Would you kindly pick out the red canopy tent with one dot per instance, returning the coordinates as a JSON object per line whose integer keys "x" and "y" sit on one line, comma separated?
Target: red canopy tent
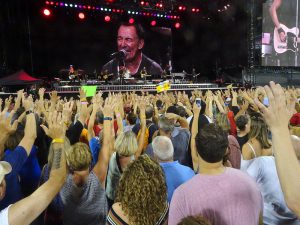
{"x": 19, "y": 78}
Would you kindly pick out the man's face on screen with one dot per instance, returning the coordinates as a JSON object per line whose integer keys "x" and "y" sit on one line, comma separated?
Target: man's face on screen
{"x": 130, "y": 42}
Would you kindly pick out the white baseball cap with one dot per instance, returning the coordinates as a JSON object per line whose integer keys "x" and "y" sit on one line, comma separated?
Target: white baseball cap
{"x": 5, "y": 168}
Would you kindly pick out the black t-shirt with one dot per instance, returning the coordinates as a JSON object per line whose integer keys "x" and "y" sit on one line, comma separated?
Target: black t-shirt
{"x": 152, "y": 68}
{"x": 242, "y": 140}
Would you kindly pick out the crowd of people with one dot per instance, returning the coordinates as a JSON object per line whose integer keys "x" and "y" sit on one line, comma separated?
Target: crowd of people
{"x": 230, "y": 158}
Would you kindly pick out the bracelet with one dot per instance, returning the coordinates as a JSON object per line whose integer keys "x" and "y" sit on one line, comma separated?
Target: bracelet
{"x": 118, "y": 115}
{"x": 83, "y": 99}
{"x": 58, "y": 140}
{"x": 107, "y": 118}
{"x": 28, "y": 112}
{"x": 84, "y": 103}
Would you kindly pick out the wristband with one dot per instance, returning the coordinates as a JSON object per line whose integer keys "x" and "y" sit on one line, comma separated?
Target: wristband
{"x": 83, "y": 99}
{"x": 84, "y": 103}
{"x": 143, "y": 117}
{"x": 107, "y": 118}
{"x": 28, "y": 112}
{"x": 58, "y": 140}
{"x": 118, "y": 115}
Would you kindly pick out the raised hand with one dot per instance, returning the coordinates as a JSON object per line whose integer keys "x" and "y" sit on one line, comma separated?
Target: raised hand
{"x": 53, "y": 96}
{"x": 41, "y": 93}
{"x": 56, "y": 128}
{"x": 278, "y": 114}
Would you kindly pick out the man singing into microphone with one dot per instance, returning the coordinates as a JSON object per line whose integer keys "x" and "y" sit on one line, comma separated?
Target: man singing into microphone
{"x": 130, "y": 58}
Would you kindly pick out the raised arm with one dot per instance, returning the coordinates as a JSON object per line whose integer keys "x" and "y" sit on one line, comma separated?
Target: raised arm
{"x": 277, "y": 116}
{"x": 26, "y": 210}
{"x": 196, "y": 110}
{"x": 273, "y": 12}
{"x": 96, "y": 107}
{"x": 142, "y": 106}
{"x": 100, "y": 169}
{"x": 30, "y": 127}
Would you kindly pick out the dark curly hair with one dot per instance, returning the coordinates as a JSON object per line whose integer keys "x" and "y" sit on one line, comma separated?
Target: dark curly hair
{"x": 142, "y": 191}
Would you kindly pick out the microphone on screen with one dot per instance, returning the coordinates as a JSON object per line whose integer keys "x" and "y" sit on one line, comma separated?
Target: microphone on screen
{"x": 119, "y": 54}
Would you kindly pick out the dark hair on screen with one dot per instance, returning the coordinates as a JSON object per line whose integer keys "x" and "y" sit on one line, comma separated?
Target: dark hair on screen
{"x": 211, "y": 143}
{"x": 138, "y": 27}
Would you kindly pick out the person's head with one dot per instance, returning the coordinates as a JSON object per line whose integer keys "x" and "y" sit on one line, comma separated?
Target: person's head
{"x": 165, "y": 126}
{"x": 211, "y": 143}
{"x": 243, "y": 123}
{"x": 181, "y": 111}
{"x": 259, "y": 130}
{"x": 194, "y": 220}
{"x": 223, "y": 122}
{"x": 163, "y": 148}
{"x": 131, "y": 118}
{"x": 172, "y": 109}
{"x": 142, "y": 191}
{"x": 14, "y": 139}
{"x": 126, "y": 144}
{"x": 131, "y": 39}
{"x": 79, "y": 160}
{"x": 5, "y": 168}
{"x": 99, "y": 117}
{"x": 149, "y": 112}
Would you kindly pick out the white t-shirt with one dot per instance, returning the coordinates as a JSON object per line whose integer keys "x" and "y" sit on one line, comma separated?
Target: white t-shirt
{"x": 263, "y": 170}
{"x": 4, "y": 216}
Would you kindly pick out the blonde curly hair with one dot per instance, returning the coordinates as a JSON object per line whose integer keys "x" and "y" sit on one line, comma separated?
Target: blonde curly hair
{"x": 142, "y": 191}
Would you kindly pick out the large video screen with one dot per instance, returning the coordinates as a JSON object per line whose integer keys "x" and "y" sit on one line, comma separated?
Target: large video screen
{"x": 88, "y": 45}
{"x": 280, "y": 32}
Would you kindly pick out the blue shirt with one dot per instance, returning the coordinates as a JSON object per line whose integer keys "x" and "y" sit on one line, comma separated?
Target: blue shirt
{"x": 16, "y": 159}
{"x": 95, "y": 148}
{"x": 30, "y": 173}
{"x": 176, "y": 174}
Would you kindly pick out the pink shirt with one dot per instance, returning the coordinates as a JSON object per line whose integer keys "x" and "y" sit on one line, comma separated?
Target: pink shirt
{"x": 230, "y": 198}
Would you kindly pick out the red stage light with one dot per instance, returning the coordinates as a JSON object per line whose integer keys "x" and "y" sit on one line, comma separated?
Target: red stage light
{"x": 153, "y": 23}
{"x": 46, "y": 12}
{"x": 193, "y": 9}
{"x": 81, "y": 16}
{"x": 177, "y": 25}
{"x": 131, "y": 20}
{"x": 107, "y": 18}
{"x": 47, "y": 3}
{"x": 142, "y": 2}
{"x": 160, "y": 5}
{"x": 180, "y": 7}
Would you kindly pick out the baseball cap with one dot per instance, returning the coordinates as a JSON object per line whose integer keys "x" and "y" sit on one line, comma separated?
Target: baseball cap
{"x": 5, "y": 168}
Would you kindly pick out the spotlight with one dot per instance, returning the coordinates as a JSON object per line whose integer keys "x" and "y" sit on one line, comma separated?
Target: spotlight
{"x": 46, "y": 12}
{"x": 81, "y": 16}
{"x": 131, "y": 21}
{"x": 107, "y": 18}
{"x": 177, "y": 25}
{"x": 153, "y": 23}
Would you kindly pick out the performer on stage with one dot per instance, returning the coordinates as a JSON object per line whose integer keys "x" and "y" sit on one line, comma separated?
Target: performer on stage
{"x": 130, "y": 40}
{"x": 285, "y": 16}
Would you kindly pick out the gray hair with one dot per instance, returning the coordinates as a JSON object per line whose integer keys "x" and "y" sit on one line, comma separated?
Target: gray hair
{"x": 165, "y": 124}
{"x": 163, "y": 148}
